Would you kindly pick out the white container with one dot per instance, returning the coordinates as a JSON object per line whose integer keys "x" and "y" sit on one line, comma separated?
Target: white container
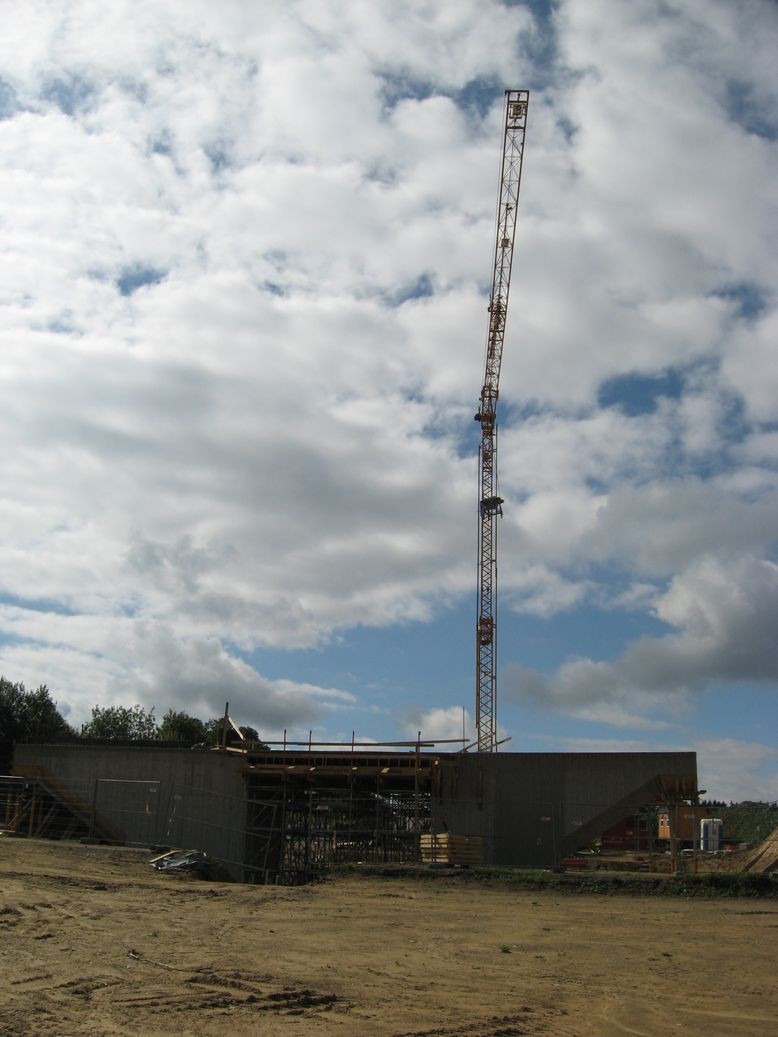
{"x": 711, "y": 829}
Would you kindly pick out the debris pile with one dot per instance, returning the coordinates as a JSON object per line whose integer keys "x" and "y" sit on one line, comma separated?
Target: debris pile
{"x": 191, "y": 862}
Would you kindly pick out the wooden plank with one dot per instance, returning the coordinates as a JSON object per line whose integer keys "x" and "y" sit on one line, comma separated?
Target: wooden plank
{"x": 451, "y": 848}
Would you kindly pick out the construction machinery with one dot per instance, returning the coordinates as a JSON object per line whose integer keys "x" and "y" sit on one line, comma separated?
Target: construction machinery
{"x": 490, "y": 503}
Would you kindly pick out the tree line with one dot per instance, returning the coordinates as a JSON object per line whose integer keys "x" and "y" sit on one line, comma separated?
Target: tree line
{"x": 32, "y": 716}
{"x": 749, "y": 822}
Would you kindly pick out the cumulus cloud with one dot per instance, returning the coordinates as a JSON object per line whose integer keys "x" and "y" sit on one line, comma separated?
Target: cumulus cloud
{"x": 541, "y": 591}
{"x": 243, "y": 272}
{"x": 735, "y": 770}
{"x": 118, "y": 659}
{"x": 724, "y": 616}
{"x": 750, "y": 365}
{"x": 450, "y": 723}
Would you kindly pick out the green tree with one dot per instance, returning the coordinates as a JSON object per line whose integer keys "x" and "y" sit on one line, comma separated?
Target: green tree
{"x": 25, "y": 715}
{"x": 44, "y": 720}
{"x": 214, "y": 729}
{"x": 28, "y": 716}
{"x": 12, "y": 711}
{"x": 749, "y": 821}
{"x": 181, "y": 727}
{"x": 121, "y": 724}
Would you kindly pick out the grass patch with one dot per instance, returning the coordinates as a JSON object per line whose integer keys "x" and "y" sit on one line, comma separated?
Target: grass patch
{"x": 725, "y": 884}
{"x": 713, "y": 884}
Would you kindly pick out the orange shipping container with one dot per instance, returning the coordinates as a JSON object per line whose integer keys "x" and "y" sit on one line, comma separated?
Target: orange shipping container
{"x": 687, "y": 819}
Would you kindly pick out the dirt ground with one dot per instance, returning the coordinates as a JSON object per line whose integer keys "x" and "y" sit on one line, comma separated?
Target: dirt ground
{"x": 94, "y": 941}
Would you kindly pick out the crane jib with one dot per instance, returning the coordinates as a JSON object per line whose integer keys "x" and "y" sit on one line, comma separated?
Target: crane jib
{"x": 490, "y": 503}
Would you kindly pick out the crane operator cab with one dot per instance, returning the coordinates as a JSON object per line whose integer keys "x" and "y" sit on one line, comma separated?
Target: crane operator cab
{"x": 491, "y": 506}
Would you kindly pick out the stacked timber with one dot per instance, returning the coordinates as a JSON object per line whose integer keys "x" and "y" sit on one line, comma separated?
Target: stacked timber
{"x": 762, "y": 858}
{"x": 447, "y": 848}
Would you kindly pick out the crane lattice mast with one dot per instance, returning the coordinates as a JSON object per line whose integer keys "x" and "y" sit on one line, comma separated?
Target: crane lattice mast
{"x": 490, "y": 504}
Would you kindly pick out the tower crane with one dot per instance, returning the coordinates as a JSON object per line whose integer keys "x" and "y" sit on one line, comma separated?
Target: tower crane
{"x": 490, "y": 504}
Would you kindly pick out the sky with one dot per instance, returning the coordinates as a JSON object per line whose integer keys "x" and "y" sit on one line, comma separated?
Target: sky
{"x": 245, "y": 260}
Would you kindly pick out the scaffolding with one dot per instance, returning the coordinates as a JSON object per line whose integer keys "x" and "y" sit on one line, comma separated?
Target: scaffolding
{"x": 43, "y": 808}
{"x": 307, "y": 812}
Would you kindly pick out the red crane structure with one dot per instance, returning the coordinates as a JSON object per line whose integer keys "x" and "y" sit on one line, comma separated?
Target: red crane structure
{"x": 490, "y": 504}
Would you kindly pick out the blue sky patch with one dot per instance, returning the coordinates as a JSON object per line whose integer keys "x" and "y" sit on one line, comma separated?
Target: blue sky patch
{"x": 133, "y": 278}
{"x": 543, "y": 9}
{"x": 541, "y": 45}
{"x": 747, "y": 296}
{"x": 162, "y": 144}
{"x": 63, "y": 325}
{"x": 636, "y": 394}
{"x": 404, "y": 88}
{"x": 218, "y": 157}
{"x": 70, "y": 94}
{"x": 274, "y": 288}
{"x": 479, "y": 95}
{"x": 421, "y": 288}
{"x": 58, "y": 608}
{"x": 9, "y": 100}
{"x": 744, "y": 109}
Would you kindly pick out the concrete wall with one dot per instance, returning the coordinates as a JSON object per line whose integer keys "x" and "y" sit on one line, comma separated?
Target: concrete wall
{"x": 187, "y": 798}
{"x": 529, "y": 808}
{"x": 535, "y": 808}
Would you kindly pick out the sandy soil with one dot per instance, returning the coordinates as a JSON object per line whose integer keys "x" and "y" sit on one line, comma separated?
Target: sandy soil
{"x": 94, "y": 941}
